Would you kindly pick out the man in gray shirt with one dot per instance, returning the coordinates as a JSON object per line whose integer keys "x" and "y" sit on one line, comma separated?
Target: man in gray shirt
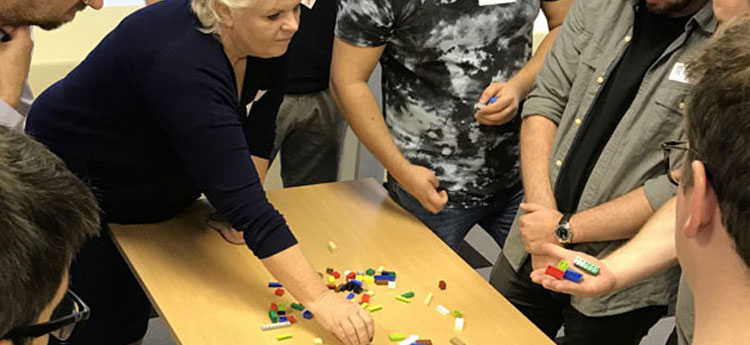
{"x": 610, "y": 93}
{"x": 15, "y": 48}
{"x": 653, "y": 250}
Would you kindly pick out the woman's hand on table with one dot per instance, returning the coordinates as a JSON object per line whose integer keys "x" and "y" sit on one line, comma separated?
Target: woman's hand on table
{"x": 348, "y": 321}
{"x": 222, "y": 226}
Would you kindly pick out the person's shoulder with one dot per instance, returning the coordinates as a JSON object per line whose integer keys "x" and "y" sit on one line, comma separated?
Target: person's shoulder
{"x": 167, "y": 32}
{"x": 165, "y": 25}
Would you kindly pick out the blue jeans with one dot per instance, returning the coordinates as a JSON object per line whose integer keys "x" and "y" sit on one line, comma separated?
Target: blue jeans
{"x": 452, "y": 224}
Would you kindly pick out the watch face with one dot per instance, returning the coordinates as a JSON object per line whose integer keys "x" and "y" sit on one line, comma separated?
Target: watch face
{"x": 562, "y": 233}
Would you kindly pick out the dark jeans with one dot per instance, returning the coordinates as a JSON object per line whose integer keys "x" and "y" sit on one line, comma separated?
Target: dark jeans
{"x": 452, "y": 224}
{"x": 549, "y": 310}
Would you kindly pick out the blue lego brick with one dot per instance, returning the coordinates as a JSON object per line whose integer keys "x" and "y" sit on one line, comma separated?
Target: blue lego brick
{"x": 572, "y": 276}
{"x": 283, "y": 319}
{"x": 351, "y": 295}
{"x": 492, "y": 100}
{"x": 386, "y": 277}
{"x": 274, "y": 285}
{"x": 356, "y": 282}
{"x": 307, "y": 314}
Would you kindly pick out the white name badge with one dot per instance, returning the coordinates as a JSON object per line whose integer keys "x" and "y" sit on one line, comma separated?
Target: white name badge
{"x": 679, "y": 73}
{"x": 308, "y": 3}
{"x": 495, "y": 2}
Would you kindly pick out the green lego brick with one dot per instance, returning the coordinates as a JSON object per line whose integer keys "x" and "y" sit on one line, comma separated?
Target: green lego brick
{"x": 396, "y": 336}
{"x": 586, "y": 266}
{"x": 370, "y": 272}
{"x": 403, "y": 299}
{"x": 273, "y": 316}
{"x": 298, "y": 306}
{"x": 408, "y": 294}
{"x": 457, "y": 314}
{"x": 563, "y": 265}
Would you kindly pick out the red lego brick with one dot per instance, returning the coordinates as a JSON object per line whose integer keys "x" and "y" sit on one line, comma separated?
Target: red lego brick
{"x": 351, "y": 276}
{"x": 279, "y": 292}
{"x": 366, "y": 298}
{"x": 442, "y": 285}
{"x": 274, "y": 307}
{"x": 290, "y": 318}
{"x": 555, "y": 272}
{"x": 336, "y": 274}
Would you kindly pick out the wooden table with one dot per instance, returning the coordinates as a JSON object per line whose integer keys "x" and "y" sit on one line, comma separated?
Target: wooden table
{"x": 211, "y": 292}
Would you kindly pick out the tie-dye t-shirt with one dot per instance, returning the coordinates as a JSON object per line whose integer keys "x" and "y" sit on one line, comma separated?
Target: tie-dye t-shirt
{"x": 439, "y": 57}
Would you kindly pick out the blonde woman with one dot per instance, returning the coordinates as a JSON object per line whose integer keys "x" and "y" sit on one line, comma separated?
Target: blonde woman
{"x": 181, "y": 99}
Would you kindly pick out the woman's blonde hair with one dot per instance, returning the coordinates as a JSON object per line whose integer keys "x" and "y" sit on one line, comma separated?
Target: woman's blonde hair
{"x": 205, "y": 10}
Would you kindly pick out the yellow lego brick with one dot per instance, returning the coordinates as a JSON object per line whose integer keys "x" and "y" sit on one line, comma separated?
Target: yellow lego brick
{"x": 284, "y": 336}
{"x": 374, "y": 308}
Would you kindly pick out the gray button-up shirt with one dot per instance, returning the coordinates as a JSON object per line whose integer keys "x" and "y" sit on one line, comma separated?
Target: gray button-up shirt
{"x": 15, "y": 117}
{"x": 589, "y": 45}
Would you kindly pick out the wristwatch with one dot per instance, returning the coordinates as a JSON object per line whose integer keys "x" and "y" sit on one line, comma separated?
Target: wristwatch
{"x": 562, "y": 231}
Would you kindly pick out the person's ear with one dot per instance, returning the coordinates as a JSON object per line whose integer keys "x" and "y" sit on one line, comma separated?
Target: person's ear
{"x": 224, "y": 13}
{"x": 703, "y": 202}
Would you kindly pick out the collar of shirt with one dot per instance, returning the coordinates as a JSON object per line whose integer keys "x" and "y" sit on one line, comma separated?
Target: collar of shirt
{"x": 704, "y": 18}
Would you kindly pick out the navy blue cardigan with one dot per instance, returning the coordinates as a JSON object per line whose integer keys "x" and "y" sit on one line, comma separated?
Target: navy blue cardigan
{"x": 151, "y": 119}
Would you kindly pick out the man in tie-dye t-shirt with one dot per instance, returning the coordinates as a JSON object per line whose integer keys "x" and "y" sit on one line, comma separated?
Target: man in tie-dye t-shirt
{"x": 452, "y": 158}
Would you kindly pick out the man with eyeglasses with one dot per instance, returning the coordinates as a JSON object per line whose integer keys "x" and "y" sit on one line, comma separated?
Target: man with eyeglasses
{"x": 46, "y": 213}
{"x": 15, "y": 48}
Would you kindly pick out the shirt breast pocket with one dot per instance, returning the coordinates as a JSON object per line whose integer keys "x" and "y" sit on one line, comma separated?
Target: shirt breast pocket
{"x": 673, "y": 97}
{"x": 670, "y": 102}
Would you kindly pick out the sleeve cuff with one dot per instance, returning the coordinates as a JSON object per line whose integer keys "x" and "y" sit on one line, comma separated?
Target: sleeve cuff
{"x": 543, "y": 107}
{"x": 659, "y": 190}
{"x": 9, "y": 117}
{"x": 274, "y": 242}
{"x": 359, "y": 41}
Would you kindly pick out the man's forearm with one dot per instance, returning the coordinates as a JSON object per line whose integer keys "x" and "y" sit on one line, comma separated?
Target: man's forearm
{"x": 537, "y": 138}
{"x": 617, "y": 219}
{"x": 650, "y": 252}
{"x": 361, "y": 110}
{"x": 525, "y": 78}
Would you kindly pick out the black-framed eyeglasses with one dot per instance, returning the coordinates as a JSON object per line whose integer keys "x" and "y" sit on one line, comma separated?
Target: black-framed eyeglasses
{"x": 671, "y": 165}
{"x": 71, "y": 312}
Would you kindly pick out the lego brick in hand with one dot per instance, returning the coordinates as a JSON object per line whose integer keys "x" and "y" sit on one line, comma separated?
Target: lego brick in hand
{"x": 573, "y": 276}
{"x": 586, "y": 266}
{"x": 555, "y": 272}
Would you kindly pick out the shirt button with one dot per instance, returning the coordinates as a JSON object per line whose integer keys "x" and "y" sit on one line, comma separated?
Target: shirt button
{"x": 558, "y": 163}
{"x": 578, "y": 122}
{"x": 682, "y": 106}
{"x": 627, "y": 38}
{"x": 599, "y": 80}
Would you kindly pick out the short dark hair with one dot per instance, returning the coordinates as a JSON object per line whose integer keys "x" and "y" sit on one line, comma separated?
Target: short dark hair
{"x": 718, "y": 125}
{"x": 46, "y": 213}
